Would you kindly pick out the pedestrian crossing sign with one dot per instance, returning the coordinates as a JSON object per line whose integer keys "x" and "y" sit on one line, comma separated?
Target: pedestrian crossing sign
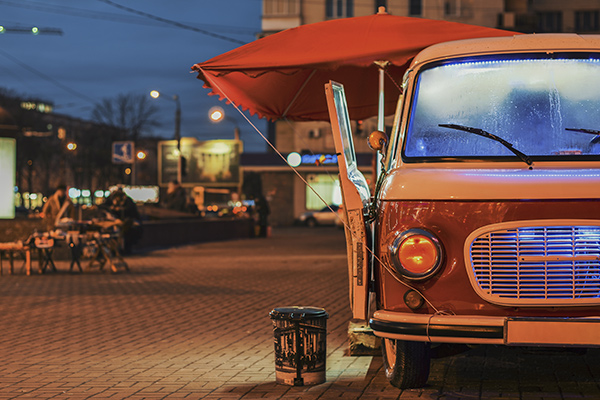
{"x": 122, "y": 152}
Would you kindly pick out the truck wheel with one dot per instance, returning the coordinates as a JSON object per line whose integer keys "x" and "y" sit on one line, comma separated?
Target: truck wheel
{"x": 406, "y": 363}
{"x": 311, "y": 222}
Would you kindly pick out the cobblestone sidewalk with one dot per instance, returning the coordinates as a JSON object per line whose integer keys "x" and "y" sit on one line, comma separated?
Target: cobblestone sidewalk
{"x": 192, "y": 322}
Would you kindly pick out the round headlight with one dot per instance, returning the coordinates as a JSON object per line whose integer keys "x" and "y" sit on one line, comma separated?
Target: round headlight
{"x": 416, "y": 254}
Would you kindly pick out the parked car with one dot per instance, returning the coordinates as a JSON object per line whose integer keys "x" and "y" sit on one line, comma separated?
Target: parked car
{"x": 325, "y": 216}
{"x": 486, "y": 223}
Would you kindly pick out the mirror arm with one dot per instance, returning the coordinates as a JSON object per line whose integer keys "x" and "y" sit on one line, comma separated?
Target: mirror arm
{"x": 377, "y": 141}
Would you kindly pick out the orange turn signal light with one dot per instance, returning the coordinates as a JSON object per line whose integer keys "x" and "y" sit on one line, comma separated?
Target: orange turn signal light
{"x": 413, "y": 299}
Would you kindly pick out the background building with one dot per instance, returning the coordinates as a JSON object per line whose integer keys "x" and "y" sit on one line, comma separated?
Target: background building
{"x": 288, "y": 194}
{"x": 54, "y": 148}
{"x": 581, "y": 16}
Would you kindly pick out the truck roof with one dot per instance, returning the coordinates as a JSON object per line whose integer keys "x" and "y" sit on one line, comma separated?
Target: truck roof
{"x": 510, "y": 44}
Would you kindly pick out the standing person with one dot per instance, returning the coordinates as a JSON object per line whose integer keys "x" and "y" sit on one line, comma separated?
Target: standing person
{"x": 123, "y": 208}
{"x": 57, "y": 206}
{"x": 262, "y": 209}
{"x": 176, "y": 198}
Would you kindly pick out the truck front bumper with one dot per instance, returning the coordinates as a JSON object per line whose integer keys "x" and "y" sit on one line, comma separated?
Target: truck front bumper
{"x": 473, "y": 329}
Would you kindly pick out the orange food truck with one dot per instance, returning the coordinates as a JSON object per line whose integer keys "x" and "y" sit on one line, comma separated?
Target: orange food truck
{"x": 484, "y": 227}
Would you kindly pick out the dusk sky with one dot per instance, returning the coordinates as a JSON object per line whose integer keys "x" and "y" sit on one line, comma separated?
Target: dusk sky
{"x": 105, "y": 50}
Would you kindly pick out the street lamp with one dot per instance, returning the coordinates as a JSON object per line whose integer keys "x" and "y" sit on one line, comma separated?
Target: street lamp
{"x": 217, "y": 114}
{"x": 156, "y": 94}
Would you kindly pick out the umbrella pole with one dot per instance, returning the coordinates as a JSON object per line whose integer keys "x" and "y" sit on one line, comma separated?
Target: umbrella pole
{"x": 381, "y": 111}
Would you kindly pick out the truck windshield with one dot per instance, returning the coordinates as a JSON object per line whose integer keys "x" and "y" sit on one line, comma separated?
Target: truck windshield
{"x": 547, "y": 106}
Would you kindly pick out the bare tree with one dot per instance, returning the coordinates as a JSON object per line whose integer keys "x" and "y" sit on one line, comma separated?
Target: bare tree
{"x": 132, "y": 113}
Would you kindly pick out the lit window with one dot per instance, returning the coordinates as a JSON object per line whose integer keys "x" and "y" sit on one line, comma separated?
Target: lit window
{"x": 328, "y": 189}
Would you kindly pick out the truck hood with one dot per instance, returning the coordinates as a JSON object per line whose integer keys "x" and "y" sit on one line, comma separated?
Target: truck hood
{"x": 491, "y": 184}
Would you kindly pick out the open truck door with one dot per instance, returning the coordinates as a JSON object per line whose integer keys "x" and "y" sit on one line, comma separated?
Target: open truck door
{"x": 356, "y": 197}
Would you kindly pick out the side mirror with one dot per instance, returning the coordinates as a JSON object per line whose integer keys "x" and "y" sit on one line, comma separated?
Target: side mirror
{"x": 378, "y": 141}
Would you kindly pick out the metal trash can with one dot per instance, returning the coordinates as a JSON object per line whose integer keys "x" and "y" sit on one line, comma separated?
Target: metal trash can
{"x": 300, "y": 335}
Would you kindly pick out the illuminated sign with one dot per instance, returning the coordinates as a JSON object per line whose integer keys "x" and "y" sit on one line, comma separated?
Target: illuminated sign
{"x": 140, "y": 194}
{"x": 295, "y": 159}
{"x": 122, "y": 152}
{"x": 8, "y": 153}
{"x": 210, "y": 163}
{"x": 319, "y": 159}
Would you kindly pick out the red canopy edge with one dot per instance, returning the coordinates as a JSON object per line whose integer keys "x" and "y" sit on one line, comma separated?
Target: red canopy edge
{"x": 360, "y": 108}
{"x": 283, "y": 75}
{"x": 216, "y": 90}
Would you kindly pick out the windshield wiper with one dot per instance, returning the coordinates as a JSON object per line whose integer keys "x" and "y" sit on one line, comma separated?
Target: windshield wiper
{"x": 522, "y": 156}
{"x": 590, "y": 131}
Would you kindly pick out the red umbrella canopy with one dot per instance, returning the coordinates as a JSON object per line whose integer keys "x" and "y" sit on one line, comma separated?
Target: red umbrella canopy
{"x": 283, "y": 75}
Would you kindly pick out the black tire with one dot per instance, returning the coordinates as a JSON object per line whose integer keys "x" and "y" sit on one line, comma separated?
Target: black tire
{"x": 406, "y": 363}
{"x": 311, "y": 222}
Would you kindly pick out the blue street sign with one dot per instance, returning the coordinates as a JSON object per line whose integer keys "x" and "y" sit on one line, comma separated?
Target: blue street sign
{"x": 122, "y": 152}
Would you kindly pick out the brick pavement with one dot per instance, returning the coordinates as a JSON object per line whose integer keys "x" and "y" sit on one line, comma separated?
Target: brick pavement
{"x": 192, "y": 322}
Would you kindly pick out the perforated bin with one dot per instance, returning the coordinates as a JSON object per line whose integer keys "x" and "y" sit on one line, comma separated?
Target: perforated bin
{"x": 300, "y": 335}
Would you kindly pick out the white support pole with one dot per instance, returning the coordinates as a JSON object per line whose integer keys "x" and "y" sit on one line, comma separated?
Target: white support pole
{"x": 381, "y": 114}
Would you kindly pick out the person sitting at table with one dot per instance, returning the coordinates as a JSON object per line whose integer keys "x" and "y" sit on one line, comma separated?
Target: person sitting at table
{"x": 57, "y": 206}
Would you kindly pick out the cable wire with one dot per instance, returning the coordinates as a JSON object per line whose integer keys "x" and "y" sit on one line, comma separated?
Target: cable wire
{"x": 381, "y": 262}
{"x": 46, "y": 77}
{"x": 77, "y": 12}
{"x": 174, "y": 23}
{"x": 112, "y": 17}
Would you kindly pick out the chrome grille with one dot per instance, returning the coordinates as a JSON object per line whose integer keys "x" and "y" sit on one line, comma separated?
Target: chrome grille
{"x": 536, "y": 265}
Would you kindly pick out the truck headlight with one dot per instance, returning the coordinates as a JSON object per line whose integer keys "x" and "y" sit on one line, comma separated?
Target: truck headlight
{"x": 416, "y": 254}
